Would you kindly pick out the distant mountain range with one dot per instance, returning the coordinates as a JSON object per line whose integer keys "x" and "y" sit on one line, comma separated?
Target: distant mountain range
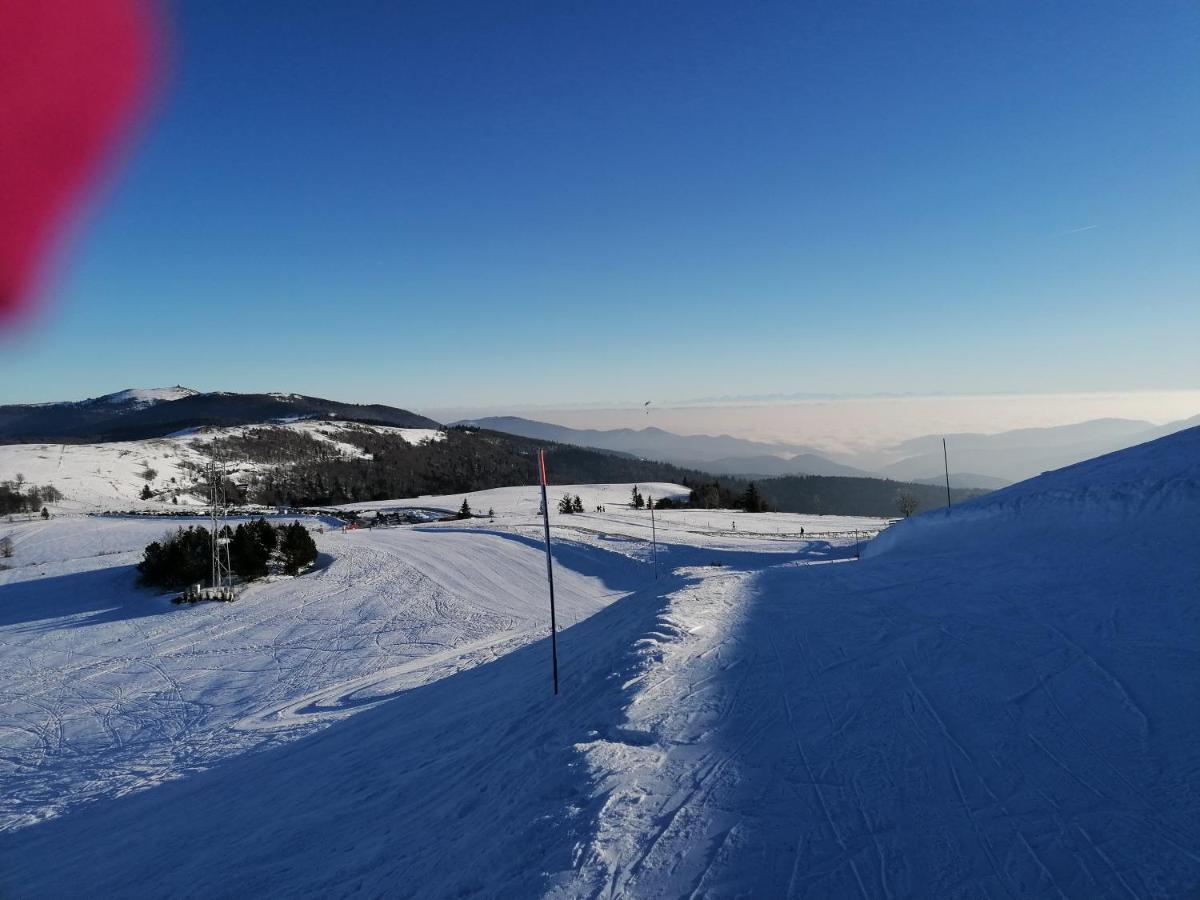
{"x": 720, "y": 454}
{"x": 987, "y": 461}
{"x": 1014, "y": 455}
{"x": 136, "y": 414}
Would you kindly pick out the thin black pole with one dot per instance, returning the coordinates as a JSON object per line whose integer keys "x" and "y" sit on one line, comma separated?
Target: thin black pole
{"x": 946, "y": 462}
{"x": 654, "y": 538}
{"x": 549, "y": 568}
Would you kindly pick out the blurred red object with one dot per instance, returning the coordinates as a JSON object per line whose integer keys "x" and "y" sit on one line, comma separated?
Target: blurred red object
{"x": 73, "y": 75}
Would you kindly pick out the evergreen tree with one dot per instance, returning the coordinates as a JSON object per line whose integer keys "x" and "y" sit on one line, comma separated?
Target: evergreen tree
{"x": 637, "y": 500}
{"x": 182, "y": 558}
{"x": 464, "y": 511}
{"x": 751, "y": 500}
{"x": 298, "y": 548}
{"x": 146, "y": 492}
{"x": 566, "y": 505}
{"x": 577, "y": 504}
{"x": 45, "y": 513}
{"x": 250, "y": 549}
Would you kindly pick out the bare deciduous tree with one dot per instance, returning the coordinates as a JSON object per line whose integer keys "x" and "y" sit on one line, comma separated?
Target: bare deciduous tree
{"x": 906, "y": 502}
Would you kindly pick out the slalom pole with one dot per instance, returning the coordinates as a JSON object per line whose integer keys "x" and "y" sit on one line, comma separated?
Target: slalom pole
{"x": 654, "y": 538}
{"x": 549, "y": 568}
{"x": 946, "y": 462}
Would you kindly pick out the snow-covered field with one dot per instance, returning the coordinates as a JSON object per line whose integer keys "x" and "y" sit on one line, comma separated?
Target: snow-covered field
{"x": 522, "y": 505}
{"x": 997, "y": 702}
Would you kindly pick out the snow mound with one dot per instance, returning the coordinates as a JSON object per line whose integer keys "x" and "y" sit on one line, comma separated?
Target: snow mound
{"x": 1159, "y": 479}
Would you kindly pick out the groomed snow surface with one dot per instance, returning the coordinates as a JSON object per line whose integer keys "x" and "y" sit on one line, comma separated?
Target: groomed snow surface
{"x": 1000, "y": 702}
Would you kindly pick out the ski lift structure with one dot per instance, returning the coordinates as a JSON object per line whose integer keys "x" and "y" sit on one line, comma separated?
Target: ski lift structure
{"x": 221, "y": 586}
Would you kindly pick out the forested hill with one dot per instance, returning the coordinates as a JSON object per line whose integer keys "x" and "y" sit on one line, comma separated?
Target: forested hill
{"x": 134, "y": 415}
{"x": 854, "y": 496}
{"x": 468, "y": 459}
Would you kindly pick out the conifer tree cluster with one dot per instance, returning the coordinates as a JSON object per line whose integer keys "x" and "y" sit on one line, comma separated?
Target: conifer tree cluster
{"x": 251, "y": 547}
{"x": 179, "y": 559}
{"x": 185, "y": 557}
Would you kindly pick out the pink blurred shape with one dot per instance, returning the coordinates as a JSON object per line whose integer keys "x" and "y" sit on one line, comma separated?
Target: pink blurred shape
{"x": 73, "y": 76}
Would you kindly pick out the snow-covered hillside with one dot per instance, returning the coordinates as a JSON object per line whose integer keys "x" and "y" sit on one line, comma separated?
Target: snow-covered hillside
{"x": 147, "y": 396}
{"x": 131, "y": 398}
{"x": 97, "y": 477}
{"x": 1155, "y": 483}
{"x": 1010, "y": 712}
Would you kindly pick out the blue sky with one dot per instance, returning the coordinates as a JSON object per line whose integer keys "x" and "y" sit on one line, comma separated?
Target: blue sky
{"x": 477, "y": 203}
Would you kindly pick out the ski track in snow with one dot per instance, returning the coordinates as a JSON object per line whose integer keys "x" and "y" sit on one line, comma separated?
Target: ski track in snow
{"x": 941, "y": 762}
{"x": 105, "y": 688}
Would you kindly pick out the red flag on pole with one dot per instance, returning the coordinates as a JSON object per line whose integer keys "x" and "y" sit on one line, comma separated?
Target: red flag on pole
{"x": 549, "y": 568}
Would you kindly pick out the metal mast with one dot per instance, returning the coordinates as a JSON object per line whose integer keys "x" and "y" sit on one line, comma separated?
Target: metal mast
{"x": 222, "y": 577}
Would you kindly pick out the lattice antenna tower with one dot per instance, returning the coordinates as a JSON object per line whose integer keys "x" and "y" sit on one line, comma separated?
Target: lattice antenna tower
{"x": 222, "y": 577}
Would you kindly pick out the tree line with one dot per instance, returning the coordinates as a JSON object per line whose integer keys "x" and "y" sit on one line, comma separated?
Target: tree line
{"x": 304, "y": 471}
{"x": 17, "y": 497}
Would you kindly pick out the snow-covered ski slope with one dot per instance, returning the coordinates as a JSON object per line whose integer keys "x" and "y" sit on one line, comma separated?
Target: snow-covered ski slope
{"x": 1002, "y": 709}
{"x": 105, "y": 687}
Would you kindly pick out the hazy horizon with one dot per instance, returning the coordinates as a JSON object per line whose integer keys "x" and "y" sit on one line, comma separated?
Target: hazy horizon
{"x": 856, "y": 424}
{"x": 832, "y": 424}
